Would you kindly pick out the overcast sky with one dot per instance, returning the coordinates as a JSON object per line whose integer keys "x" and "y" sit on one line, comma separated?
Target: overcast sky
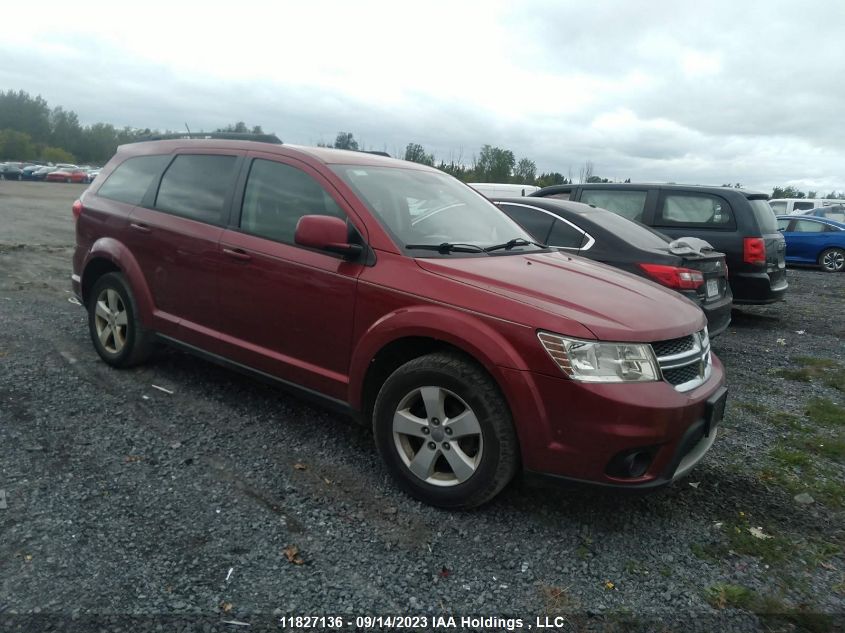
{"x": 697, "y": 92}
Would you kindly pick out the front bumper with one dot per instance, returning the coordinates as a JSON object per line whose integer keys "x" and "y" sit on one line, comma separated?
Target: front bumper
{"x": 575, "y": 431}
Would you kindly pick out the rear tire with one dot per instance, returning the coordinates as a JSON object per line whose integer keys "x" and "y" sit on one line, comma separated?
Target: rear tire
{"x": 445, "y": 432}
{"x": 832, "y": 260}
{"x": 113, "y": 323}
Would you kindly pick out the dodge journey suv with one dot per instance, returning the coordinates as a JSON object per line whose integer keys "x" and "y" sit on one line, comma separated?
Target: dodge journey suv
{"x": 400, "y": 295}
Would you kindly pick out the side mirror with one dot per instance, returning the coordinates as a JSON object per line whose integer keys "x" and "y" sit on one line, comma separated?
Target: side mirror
{"x": 327, "y": 233}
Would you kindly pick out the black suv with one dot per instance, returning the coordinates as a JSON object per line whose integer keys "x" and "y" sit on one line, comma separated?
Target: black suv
{"x": 739, "y": 223}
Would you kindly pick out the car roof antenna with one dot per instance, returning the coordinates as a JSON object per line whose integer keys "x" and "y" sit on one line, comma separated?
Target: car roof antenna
{"x": 187, "y": 128}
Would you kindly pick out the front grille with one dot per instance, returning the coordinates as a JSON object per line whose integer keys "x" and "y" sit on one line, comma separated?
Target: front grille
{"x": 685, "y": 361}
{"x": 681, "y": 375}
{"x": 673, "y": 346}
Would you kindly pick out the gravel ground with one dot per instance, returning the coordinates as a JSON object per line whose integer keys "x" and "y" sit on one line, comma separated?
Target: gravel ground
{"x": 181, "y": 509}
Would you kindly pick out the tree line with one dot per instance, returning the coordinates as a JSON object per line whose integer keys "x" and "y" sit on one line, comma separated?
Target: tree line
{"x": 31, "y": 130}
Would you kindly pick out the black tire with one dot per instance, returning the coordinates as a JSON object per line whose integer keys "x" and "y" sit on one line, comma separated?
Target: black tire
{"x": 471, "y": 386}
{"x": 832, "y": 260}
{"x": 137, "y": 342}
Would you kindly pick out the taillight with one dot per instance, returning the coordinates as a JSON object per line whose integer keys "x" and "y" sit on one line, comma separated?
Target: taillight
{"x": 674, "y": 276}
{"x": 754, "y": 250}
{"x": 77, "y": 209}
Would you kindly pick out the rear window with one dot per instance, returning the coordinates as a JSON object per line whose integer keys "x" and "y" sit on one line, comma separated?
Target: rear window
{"x": 628, "y": 204}
{"x": 766, "y": 219}
{"x": 195, "y": 186}
{"x": 130, "y": 181}
{"x": 778, "y": 206}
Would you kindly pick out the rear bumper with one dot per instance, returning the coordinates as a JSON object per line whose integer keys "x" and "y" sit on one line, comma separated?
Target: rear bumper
{"x": 758, "y": 287}
{"x": 575, "y": 431}
{"x": 718, "y": 315}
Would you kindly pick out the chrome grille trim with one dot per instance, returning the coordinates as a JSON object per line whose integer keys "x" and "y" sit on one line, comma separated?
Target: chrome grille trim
{"x": 697, "y": 357}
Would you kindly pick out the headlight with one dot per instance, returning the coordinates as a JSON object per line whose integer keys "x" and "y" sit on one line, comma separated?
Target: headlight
{"x": 594, "y": 361}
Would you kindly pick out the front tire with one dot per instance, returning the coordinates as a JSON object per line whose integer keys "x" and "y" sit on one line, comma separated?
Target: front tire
{"x": 445, "y": 432}
{"x": 832, "y": 260}
{"x": 113, "y": 323}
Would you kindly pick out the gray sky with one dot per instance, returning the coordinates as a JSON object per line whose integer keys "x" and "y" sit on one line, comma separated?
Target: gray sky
{"x": 697, "y": 92}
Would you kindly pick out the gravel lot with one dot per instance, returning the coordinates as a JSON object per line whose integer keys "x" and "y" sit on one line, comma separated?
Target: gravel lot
{"x": 120, "y": 500}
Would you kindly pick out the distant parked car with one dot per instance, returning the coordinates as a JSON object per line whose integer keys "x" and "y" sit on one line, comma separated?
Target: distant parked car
{"x": 501, "y": 190}
{"x": 834, "y": 212}
{"x": 737, "y": 222}
{"x": 28, "y": 171}
{"x": 41, "y": 174}
{"x": 68, "y": 175}
{"x": 688, "y": 266}
{"x": 10, "y": 171}
{"x": 811, "y": 240}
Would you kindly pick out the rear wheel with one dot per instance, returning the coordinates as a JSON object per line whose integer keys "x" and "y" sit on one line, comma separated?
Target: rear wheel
{"x": 445, "y": 432}
{"x": 832, "y": 260}
{"x": 114, "y": 324}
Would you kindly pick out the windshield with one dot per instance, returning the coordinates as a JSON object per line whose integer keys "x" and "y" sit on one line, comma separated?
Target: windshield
{"x": 428, "y": 208}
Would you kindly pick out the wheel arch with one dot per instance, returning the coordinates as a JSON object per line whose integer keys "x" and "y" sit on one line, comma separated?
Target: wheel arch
{"x": 407, "y": 334}
{"x": 109, "y": 255}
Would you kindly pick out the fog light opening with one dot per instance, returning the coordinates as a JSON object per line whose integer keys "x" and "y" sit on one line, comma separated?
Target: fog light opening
{"x": 631, "y": 464}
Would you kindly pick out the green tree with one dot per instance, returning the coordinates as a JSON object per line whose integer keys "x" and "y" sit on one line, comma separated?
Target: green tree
{"x": 16, "y": 145}
{"x": 345, "y": 140}
{"x": 56, "y": 155}
{"x": 494, "y": 164}
{"x": 552, "y": 178}
{"x": 787, "y": 192}
{"x": 416, "y": 153}
{"x": 23, "y": 113}
{"x": 65, "y": 130}
{"x": 525, "y": 172}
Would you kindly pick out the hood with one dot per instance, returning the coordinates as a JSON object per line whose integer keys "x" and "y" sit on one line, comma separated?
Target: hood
{"x": 612, "y": 304}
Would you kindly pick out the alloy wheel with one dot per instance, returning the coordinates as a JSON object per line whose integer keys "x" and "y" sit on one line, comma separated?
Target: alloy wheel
{"x": 438, "y": 436}
{"x": 111, "y": 321}
{"x": 833, "y": 260}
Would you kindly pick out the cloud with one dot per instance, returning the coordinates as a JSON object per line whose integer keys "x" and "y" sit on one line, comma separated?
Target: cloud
{"x": 723, "y": 92}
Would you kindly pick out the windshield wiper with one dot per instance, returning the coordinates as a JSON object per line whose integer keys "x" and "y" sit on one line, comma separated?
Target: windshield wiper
{"x": 518, "y": 241}
{"x": 448, "y": 247}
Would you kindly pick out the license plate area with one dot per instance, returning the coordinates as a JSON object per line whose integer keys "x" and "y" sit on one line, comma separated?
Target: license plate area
{"x": 712, "y": 288}
{"x": 714, "y": 410}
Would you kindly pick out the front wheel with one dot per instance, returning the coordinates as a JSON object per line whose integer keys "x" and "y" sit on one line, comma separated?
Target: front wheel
{"x": 832, "y": 260}
{"x": 114, "y": 325}
{"x": 445, "y": 432}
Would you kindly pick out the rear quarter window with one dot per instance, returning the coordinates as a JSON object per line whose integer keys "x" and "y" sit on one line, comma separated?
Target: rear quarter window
{"x": 696, "y": 210}
{"x": 130, "y": 180}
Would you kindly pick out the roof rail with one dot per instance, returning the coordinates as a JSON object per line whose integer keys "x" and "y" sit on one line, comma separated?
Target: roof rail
{"x": 373, "y": 151}
{"x": 233, "y": 136}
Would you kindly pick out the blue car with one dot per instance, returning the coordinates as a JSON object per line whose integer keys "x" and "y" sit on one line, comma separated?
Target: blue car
{"x": 812, "y": 240}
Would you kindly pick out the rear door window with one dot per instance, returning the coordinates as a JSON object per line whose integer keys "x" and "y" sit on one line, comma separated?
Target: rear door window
{"x": 195, "y": 186}
{"x": 130, "y": 180}
{"x": 628, "y": 204}
{"x": 808, "y": 226}
{"x": 692, "y": 209}
{"x": 277, "y": 195}
{"x": 565, "y": 235}
{"x": 535, "y": 221}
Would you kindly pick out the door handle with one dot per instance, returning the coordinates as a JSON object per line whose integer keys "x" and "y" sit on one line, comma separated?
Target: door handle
{"x": 237, "y": 253}
{"x": 143, "y": 228}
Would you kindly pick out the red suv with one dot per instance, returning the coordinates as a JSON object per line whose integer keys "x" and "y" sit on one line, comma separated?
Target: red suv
{"x": 400, "y": 295}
